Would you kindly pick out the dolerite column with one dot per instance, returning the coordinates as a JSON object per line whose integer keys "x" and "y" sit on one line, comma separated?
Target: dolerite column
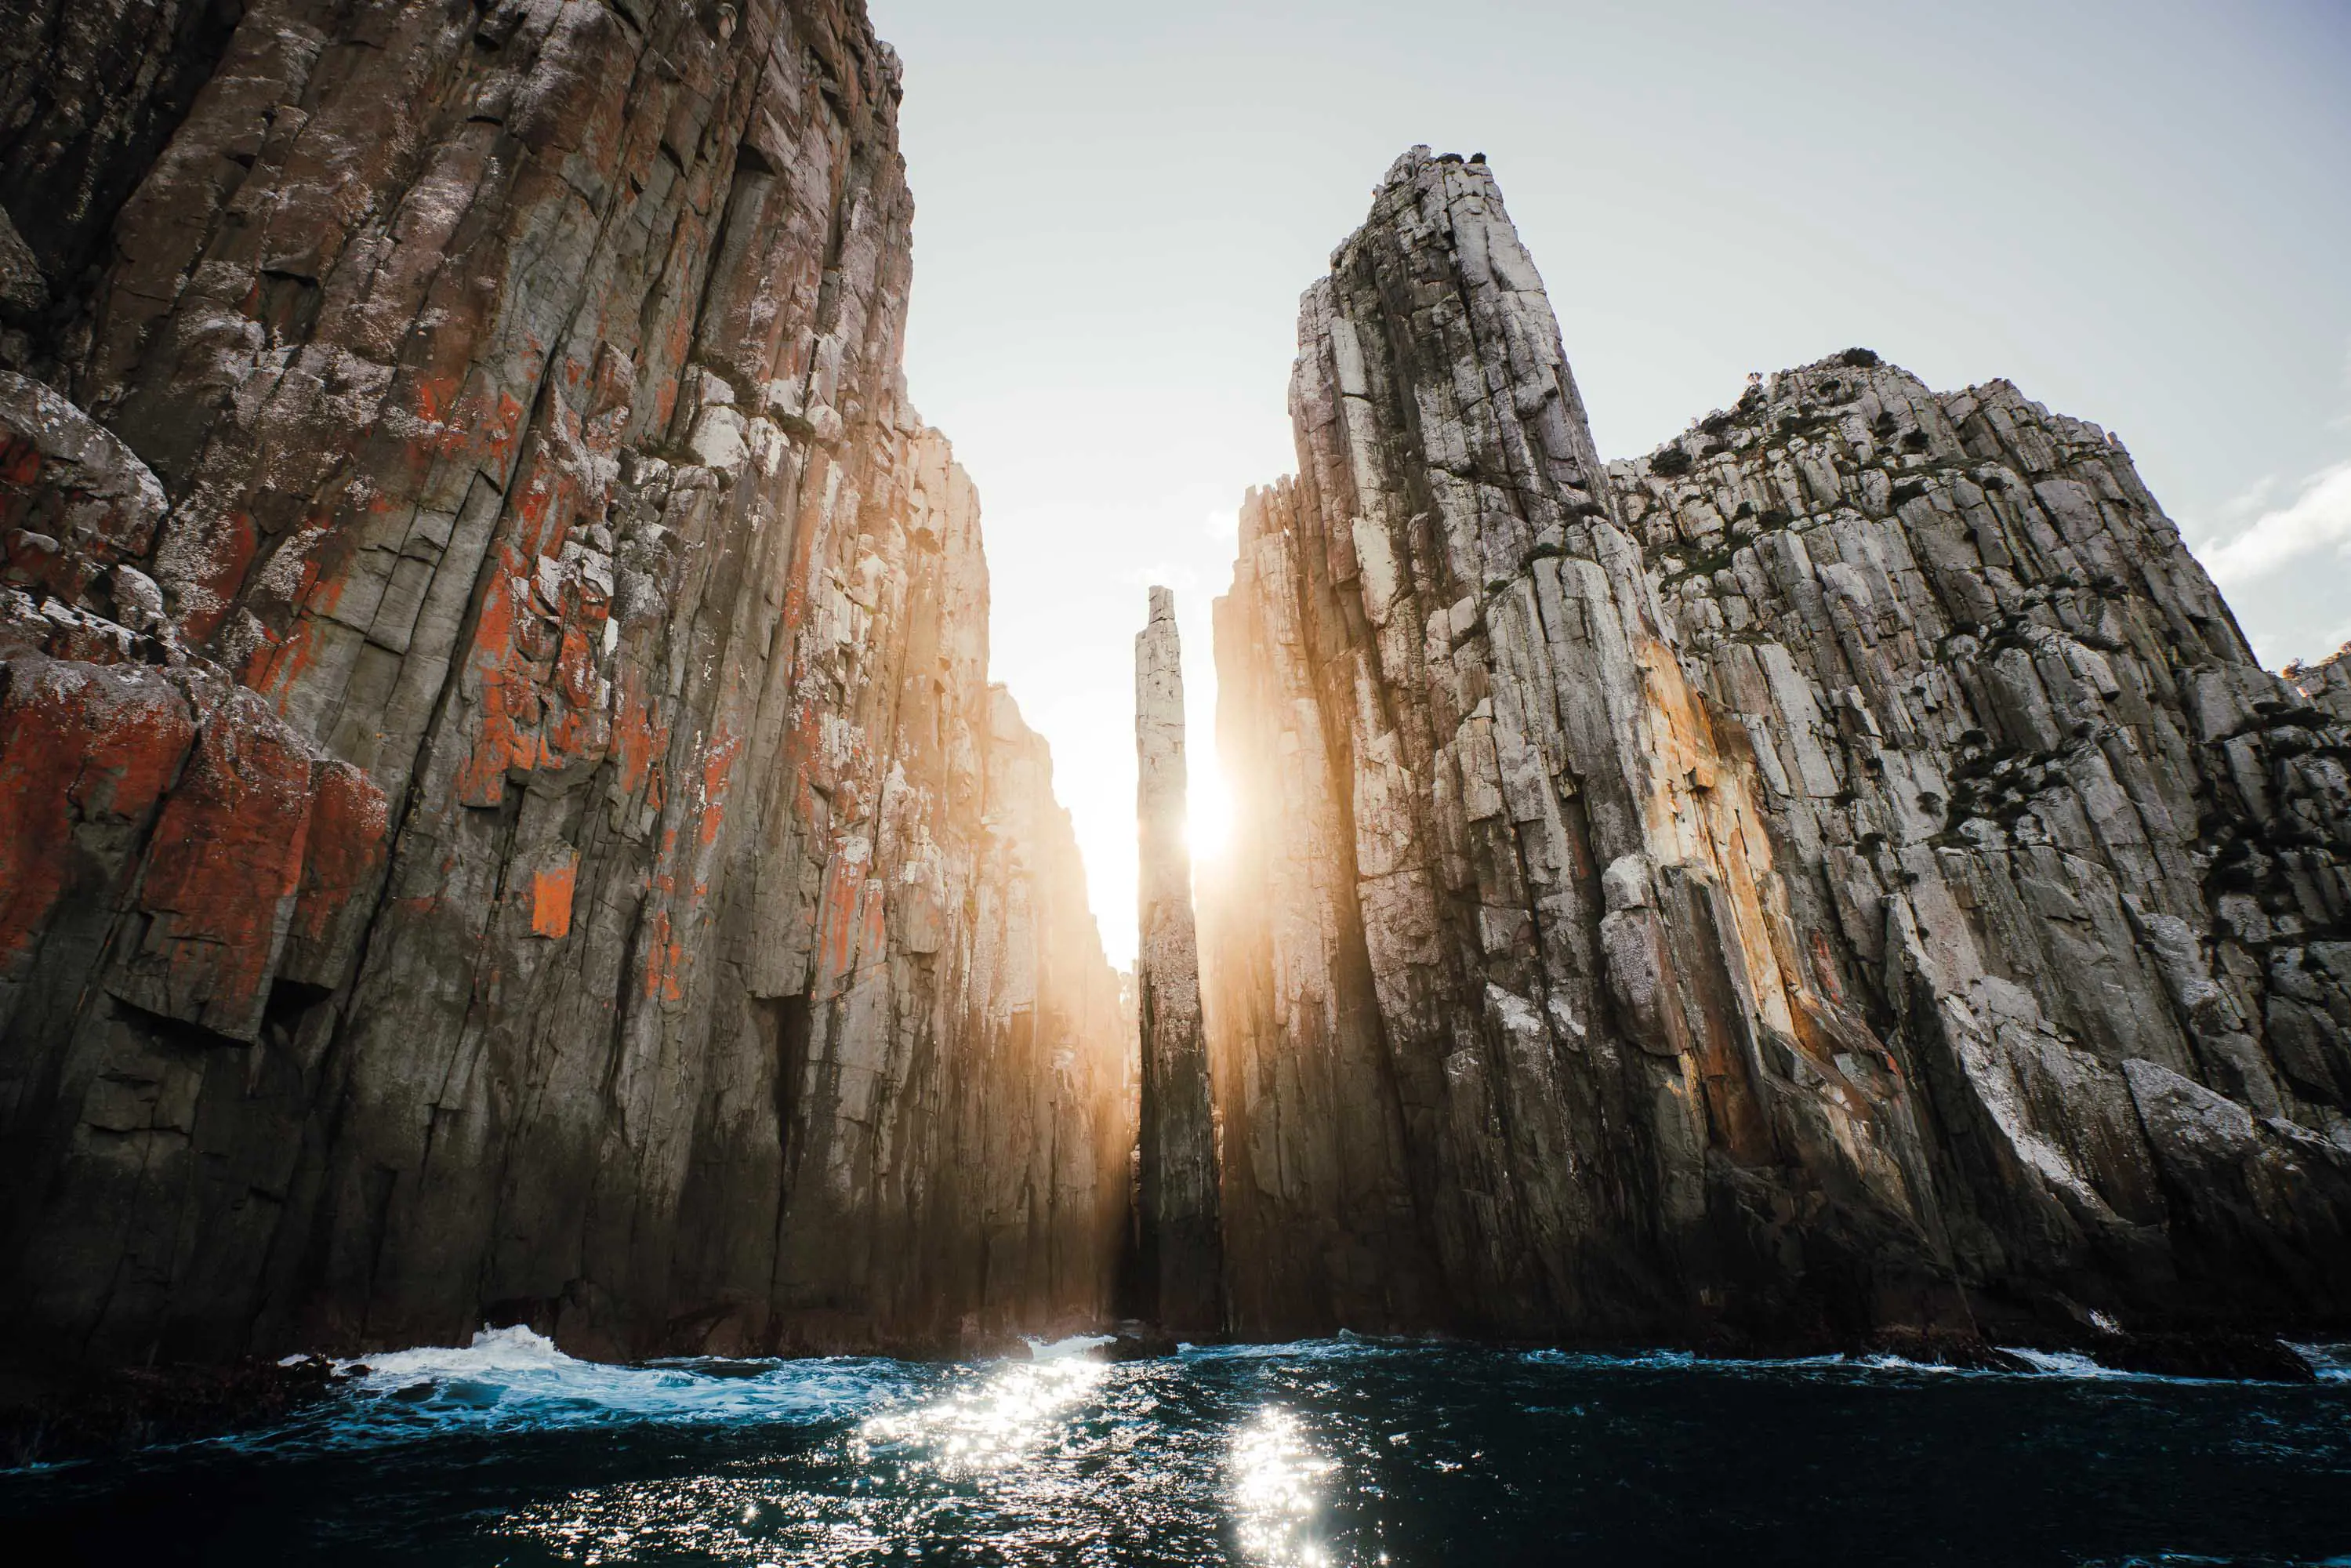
{"x": 1182, "y": 1275}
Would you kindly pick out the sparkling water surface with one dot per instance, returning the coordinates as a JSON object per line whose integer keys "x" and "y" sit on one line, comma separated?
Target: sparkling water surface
{"x": 1329, "y": 1452}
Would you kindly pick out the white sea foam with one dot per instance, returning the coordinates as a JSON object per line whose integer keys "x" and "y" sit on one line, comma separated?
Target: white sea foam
{"x": 2071, "y": 1364}
{"x": 1647, "y": 1360}
{"x": 511, "y": 1378}
{"x": 1344, "y": 1345}
{"x": 1063, "y": 1349}
{"x": 2332, "y": 1362}
{"x": 491, "y": 1352}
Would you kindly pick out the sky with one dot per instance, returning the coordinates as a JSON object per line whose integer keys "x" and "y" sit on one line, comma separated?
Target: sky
{"x": 2138, "y": 211}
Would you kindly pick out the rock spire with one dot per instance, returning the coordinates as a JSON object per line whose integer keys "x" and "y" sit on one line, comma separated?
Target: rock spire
{"x": 1841, "y": 876}
{"x": 1182, "y": 1245}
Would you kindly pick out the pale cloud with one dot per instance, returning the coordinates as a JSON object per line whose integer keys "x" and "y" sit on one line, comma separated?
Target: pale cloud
{"x": 2313, "y": 529}
{"x": 2248, "y": 503}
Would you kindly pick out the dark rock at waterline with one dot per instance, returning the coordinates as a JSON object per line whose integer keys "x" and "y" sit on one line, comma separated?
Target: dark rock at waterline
{"x": 1140, "y": 1341}
{"x": 1967, "y": 1351}
{"x": 722, "y": 1366}
{"x": 2242, "y": 1356}
{"x": 55, "y": 1415}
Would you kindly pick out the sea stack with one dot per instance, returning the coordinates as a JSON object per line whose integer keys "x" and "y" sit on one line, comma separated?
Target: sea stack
{"x": 1182, "y": 1273}
{"x": 1841, "y": 877}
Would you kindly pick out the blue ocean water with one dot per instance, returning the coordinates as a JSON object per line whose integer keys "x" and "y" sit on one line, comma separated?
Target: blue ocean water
{"x": 1330, "y": 1452}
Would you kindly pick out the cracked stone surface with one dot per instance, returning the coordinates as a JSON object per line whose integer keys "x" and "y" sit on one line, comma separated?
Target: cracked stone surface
{"x": 1841, "y": 874}
{"x": 502, "y": 814}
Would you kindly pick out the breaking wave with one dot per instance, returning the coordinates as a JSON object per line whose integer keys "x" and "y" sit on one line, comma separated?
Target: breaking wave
{"x": 2332, "y": 1363}
{"x": 510, "y": 1379}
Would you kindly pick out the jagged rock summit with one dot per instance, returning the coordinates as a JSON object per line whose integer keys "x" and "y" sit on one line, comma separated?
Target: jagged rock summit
{"x": 1842, "y": 876}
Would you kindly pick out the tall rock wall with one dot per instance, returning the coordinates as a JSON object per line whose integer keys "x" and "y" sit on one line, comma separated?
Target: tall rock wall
{"x": 1841, "y": 875}
{"x": 1180, "y": 1237}
{"x": 502, "y": 808}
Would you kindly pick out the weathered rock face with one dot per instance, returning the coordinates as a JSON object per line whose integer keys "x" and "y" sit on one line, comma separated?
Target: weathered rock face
{"x": 89, "y": 91}
{"x": 501, "y": 809}
{"x": 1180, "y": 1267}
{"x": 1843, "y": 875}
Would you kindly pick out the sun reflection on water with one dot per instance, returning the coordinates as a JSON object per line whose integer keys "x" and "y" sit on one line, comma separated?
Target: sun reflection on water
{"x": 1323, "y": 1452}
{"x": 986, "y": 1427}
{"x": 896, "y": 1479}
{"x": 1278, "y": 1478}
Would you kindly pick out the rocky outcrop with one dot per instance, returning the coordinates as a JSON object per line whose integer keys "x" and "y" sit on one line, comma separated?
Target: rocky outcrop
{"x": 1841, "y": 875}
{"x": 1180, "y": 1238}
{"x": 502, "y": 807}
{"x": 502, "y": 814}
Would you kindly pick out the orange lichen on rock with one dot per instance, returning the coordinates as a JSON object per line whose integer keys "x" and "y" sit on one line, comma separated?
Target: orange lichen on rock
{"x": 551, "y": 898}
{"x": 344, "y": 853}
{"x": 219, "y": 888}
{"x": 79, "y": 743}
{"x": 1702, "y": 814}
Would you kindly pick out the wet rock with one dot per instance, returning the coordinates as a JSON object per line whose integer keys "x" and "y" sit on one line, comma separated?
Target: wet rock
{"x": 1961, "y": 1350}
{"x": 1136, "y": 1341}
{"x": 64, "y": 1414}
{"x": 2256, "y": 1357}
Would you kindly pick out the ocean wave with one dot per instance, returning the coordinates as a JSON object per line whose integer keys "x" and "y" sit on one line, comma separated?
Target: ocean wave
{"x": 509, "y": 1379}
{"x": 1344, "y": 1345}
{"x": 2073, "y": 1363}
{"x": 1075, "y": 1347}
{"x": 2332, "y": 1363}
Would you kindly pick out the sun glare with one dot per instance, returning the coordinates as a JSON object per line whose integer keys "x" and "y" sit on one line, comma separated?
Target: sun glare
{"x": 1278, "y": 1478}
{"x": 1208, "y": 808}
